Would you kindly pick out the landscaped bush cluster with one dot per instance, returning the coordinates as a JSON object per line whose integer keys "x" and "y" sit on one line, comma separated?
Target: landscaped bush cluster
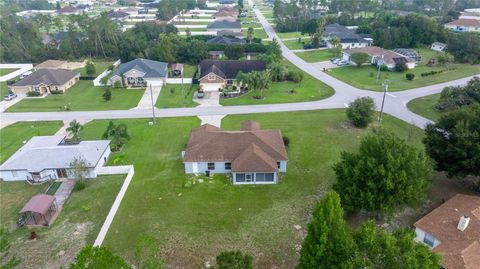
{"x": 80, "y": 185}
{"x": 56, "y": 92}
{"x": 33, "y": 94}
{"x": 410, "y": 76}
{"x": 360, "y": 112}
{"x": 426, "y": 74}
{"x": 295, "y": 76}
{"x": 456, "y": 97}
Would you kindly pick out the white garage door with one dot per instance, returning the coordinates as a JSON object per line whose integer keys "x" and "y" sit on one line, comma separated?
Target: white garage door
{"x": 212, "y": 87}
{"x": 155, "y": 82}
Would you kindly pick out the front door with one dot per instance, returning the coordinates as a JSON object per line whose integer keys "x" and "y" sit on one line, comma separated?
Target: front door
{"x": 61, "y": 173}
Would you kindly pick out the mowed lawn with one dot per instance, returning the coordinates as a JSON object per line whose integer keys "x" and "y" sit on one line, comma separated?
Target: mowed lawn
{"x": 6, "y": 71}
{"x": 3, "y": 89}
{"x": 176, "y": 95}
{"x": 295, "y": 45}
{"x": 309, "y": 89}
{"x": 423, "y": 106}
{"x": 82, "y": 96}
{"x": 314, "y": 56}
{"x": 13, "y": 136}
{"x": 365, "y": 77}
{"x": 289, "y": 35}
{"x": 193, "y": 224}
{"x": 100, "y": 66}
{"x": 77, "y": 225}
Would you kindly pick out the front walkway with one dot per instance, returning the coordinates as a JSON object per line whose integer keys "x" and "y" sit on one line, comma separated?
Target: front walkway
{"x": 64, "y": 191}
{"x": 211, "y": 99}
{"x": 146, "y": 101}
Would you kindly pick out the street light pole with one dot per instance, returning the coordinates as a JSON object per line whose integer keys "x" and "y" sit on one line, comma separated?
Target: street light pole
{"x": 153, "y": 107}
{"x": 385, "y": 85}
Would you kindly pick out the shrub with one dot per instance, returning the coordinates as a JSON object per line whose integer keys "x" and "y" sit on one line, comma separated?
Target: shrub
{"x": 295, "y": 76}
{"x": 111, "y": 67}
{"x": 118, "y": 84}
{"x": 10, "y": 82}
{"x": 80, "y": 185}
{"x": 234, "y": 260}
{"x": 56, "y": 92}
{"x": 107, "y": 95}
{"x": 383, "y": 68}
{"x": 410, "y": 76}
{"x": 360, "y": 112}
{"x": 172, "y": 90}
{"x": 286, "y": 141}
{"x": 400, "y": 67}
{"x": 33, "y": 94}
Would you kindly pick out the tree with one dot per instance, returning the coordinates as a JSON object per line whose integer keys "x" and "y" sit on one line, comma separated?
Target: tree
{"x": 79, "y": 168}
{"x": 57, "y": 5}
{"x": 258, "y": 81}
{"x": 464, "y": 46}
{"x": 457, "y": 96}
{"x": 328, "y": 243}
{"x": 360, "y": 112}
{"x": 385, "y": 175}
{"x": 360, "y": 58}
{"x": 335, "y": 41}
{"x": 378, "y": 248}
{"x": 107, "y": 95}
{"x": 90, "y": 68}
{"x": 277, "y": 71}
{"x": 250, "y": 34}
{"x": 240, "y": 3}
{"x": 444, "y": 58}
{"x": 409, "y": 76}
{"x": 310, "y": 27}
{"x": 234, "y": 260}
{"x": 74, "y": 129}
{"x": 117, "y": 134}
{"x": 147, "y": 254}
{"x": 91, "y": 257}
{"x": 234, "y": 52}
{"x": 454, "y": 142}
{"x": 164, "y": 50}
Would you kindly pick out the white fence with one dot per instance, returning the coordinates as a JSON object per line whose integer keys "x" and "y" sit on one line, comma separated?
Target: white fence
{"x": 116, "y": 204}
{"x": 179, "y": 81}
{"x": 22, "y": 68}
{"x": 98, "y": 81}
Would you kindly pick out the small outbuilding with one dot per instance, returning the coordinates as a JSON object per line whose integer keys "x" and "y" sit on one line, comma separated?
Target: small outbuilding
{"x": 437, "y": 46}
{"x": 177, "y": 69}
{"x": 40, "y": 210}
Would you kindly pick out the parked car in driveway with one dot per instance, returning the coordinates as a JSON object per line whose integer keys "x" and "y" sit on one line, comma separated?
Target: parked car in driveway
{"x": 200, "y": 95}
{"x": 9, "y": 96}
{"x": 336, "y": 61}
{"x": 342, "y": 63}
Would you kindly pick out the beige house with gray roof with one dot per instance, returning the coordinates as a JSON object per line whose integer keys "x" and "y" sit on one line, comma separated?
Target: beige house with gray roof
{"x": 45, "y": 81}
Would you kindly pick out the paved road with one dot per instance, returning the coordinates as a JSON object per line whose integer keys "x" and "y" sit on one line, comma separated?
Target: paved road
{"x": 395, "y": 103}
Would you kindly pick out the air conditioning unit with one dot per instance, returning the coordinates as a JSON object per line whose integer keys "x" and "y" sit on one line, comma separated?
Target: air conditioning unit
{"x": 463, "y": 223}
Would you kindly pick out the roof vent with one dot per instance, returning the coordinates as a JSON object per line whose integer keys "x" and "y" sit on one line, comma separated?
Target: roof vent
{"x": 463, "y": 223}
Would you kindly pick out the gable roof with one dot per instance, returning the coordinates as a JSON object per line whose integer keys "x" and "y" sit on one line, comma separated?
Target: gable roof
{"x": 118, "y": 14}
{"x": 459, "y": 249}
{"x": 230, "y": 68}
{"x": 465, "y": 22}
{"x": 42, "y": 152}
{"x": 228, "y": 40}
{"x": 152, "y": 69}
{"x": 343, "y": 33}
{"x": 248, "y": 150}
{"x": 224, "y": 24}
{"x": 47, "y": 77}
{"x": 68, "y": 9}
{"x": 377, "y": 52}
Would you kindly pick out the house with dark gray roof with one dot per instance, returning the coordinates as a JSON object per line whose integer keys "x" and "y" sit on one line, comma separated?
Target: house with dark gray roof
{"x": 226, "y": 40}
{"x": 251, "y": 155}
{"x": 45, "y": 81}
{"x": 348, "y": 38}
{"x": 45, "y": 158}
{"x": 222, "y": 25}
{"x": 139, "y": 72}
{"x": 216, "y": 74}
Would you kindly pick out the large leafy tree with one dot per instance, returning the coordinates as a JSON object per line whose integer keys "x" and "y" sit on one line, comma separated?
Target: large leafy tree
{"x": 234, "y": 52}
{"x": 360, "y": 112}
{"x": 328, "y": 244}
{"x": 360, "y": 58}
{"x": 454, "y": 142}
{"x": 97, "y": 257}
{"x": 385, "y": 175}
{"x": 164, "y": 50}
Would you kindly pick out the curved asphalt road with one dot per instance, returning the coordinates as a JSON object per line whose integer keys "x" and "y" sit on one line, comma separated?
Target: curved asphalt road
{"x": 395, "y": 103}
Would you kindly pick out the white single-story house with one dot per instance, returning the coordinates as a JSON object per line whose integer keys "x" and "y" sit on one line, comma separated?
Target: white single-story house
{"x": 138, "y": 72}
{"x": 453, "y": 230}
{"x": 348, "y": 38}
{"x": 437, "y": 46}
{"x": 44, "y": 158}
{"x": 379, "y": 56}
{"x": 251, "y": 155}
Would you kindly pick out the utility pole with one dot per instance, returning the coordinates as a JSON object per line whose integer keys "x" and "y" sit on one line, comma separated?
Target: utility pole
{"x": 378, "y": 70}
{"x": 385, "y": 85}
{"x": 153, "y": 107}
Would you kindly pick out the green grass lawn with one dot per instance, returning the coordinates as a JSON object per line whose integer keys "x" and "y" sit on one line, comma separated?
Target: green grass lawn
{"x": 77, "y": 225}
{"x": 189, "y": 70}
{"x": 12, "y": 136}
{"x": 176, "y": 95}
{"x": 260, "y": 33}
{"x": 424, "y": 106}
{"x": 192, "y": 23}
{"x": 193, "y": 224}
{"x": 362, "y": 77}
{"x": 3, "y": 89}
{"x": 5, "y": 71}
{"x": 81, "y": 97}
{"x": 100, "y": 66}
{"x": 295, "y": 45}
{"x": 309, "y": 89}
{"x": 314, "y": 56}
{"x": 289, "y": 35}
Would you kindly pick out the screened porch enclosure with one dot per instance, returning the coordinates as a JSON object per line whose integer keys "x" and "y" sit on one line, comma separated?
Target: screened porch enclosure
{"x": 254, "y": 177}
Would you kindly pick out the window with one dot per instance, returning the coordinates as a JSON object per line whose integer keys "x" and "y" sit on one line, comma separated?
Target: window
{"x": 239, "y": 177}
{"x": 278, "y": 165}
{"x": 37, "y": 89}
{"x": 56, "y": 88}
{"x": 211, "y": 77}
{"x": 248, "y": 177}
{"x": 429, "y": 239}
{"x": 228, "y": 166}
{"x": 269, "y": 177}
{"x": 229, "y": 81}
{"x": 260, "y": 177}
{"x": 211, "y": 166}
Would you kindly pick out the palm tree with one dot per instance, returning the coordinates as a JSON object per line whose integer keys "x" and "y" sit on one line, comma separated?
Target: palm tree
{"x": 117, "y": 134}
{"x": 277, "y": 71}
{"x": 73, "y": 130}
{"x": 250, "y": 33}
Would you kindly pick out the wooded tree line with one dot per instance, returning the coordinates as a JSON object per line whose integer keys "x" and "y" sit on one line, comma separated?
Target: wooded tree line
{"x": 167, "y": 9}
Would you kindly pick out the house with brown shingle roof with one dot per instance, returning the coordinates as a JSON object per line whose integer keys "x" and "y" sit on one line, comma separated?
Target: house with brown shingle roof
{"x": 380, "y": 56}
{"x": 453, "y": 230}
{"x": 464, "y": 25}
{"x": 251, "y": 155}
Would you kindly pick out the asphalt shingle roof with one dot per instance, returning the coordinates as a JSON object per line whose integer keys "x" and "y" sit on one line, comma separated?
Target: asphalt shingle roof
{"x": 343, "y": 33}
{"x": 47, "y": 77}
{"x": 224, "y": 24}
{"x": 152, "y": 69}
{"x": 230, "y": 68}
{"x": 227, "y": 40}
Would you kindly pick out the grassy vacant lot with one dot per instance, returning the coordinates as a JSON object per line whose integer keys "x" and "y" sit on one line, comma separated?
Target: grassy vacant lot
{"x": 176, "y": 95}
{"x": 260, "y": 33}
{"x": 99, "y": 68}
{"x": 188, "y": 71}
{"x": 12, "y": 136}
{"x": 5, "y": 71}
{"x": 309, "y": 89}
{"x": 362, "y": 77}
{"x": 77, "y": 225}
{"x": 295, "y": 45}
{"x": 424, "y": 106}
{"x": 314, "y": 56}
{"x": 82, "y": 96}
{"x": 193, "y": 224}
{"x": 290, "y": 35}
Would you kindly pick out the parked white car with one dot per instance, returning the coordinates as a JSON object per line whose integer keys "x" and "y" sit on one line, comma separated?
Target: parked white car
{"x": 9, "y": 96}
{"x": 342, "y": 63}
